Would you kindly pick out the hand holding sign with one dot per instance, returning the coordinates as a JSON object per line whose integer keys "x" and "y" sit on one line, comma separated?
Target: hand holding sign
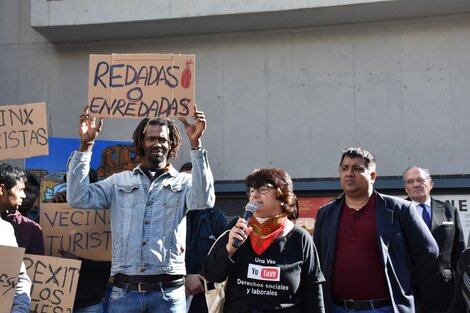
{"x": 88, "y": 130}
{"x": 196, "y": 130}
{"x": 68, "y": 254}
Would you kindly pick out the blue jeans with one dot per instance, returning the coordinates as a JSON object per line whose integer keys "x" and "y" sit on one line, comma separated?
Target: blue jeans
{"x": 96, "y": 308}
{"x": 171, "y": 300}
{"x": 339, "y": 309}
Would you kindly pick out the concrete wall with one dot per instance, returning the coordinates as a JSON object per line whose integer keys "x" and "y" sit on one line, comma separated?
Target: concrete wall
{"x": 76, "y": 20}
{"x": 290, "y": 98}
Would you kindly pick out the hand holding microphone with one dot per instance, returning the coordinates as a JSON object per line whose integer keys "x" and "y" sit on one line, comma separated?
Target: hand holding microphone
{"x": 250, "y": 209}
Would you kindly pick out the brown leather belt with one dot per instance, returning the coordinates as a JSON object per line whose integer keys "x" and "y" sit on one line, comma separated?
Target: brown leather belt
{"x": 362, "y": 305}
{"x": 147, "y": 283}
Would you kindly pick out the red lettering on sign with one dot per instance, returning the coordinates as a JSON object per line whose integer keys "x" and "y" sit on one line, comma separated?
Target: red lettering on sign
{"x": 269, "y": 273}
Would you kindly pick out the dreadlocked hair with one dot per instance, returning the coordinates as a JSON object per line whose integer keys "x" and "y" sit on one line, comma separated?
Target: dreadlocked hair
{"x": 174, "y": 133}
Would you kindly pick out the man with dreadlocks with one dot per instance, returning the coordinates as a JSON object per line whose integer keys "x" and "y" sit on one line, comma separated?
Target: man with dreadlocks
{"x": 148, "y": 205}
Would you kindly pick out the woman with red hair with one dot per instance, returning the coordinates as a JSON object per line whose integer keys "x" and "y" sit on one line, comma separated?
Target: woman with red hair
{"x": 276, "y": 267}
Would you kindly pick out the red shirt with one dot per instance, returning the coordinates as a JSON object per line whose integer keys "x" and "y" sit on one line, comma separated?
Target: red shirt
{"x": 28, "y": 233}
{"x": 358, "y": 271}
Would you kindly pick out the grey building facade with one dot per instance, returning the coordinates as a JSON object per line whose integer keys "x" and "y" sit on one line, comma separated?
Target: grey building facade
{"x": 283, "y": 83}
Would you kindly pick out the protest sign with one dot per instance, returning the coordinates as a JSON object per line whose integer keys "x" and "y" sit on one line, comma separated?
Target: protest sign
{"x": 9, "y": 270}
{"x": 141, "y": 85}
{"x": 85, "y": 233}
{"x": 54, "y": 283}
{"x": 23, "y": 130}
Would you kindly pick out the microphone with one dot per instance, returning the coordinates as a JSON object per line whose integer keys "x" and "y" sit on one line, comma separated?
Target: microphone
{"x": 250, "y": 209}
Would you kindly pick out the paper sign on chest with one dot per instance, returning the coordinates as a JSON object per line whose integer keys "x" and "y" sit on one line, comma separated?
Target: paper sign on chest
{"x": 9, "y": 270}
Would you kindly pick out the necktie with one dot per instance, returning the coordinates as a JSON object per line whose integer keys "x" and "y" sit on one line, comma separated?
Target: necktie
{"x": 425, "y": 215}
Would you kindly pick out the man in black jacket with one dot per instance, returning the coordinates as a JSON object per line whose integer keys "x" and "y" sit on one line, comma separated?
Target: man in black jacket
{"x": 202, "y": 229}
{"x": 435, "y": 292}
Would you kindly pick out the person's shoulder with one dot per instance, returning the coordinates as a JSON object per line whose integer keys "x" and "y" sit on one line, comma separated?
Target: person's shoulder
{"x": 333, "y": 202}
{"x": 300, "y": 237}
{"x": 211, "y": 213}
{"x": 7, "y": 234}
{"x": 443, "y": 203}
{"x": 394, "y": 200}
{"x": 126, "y": 172}
{"x": 193, "y": 215}
{"x": 218, "y": 213}
{"x": 465, "y": 257}
{"x": 27, "y": 221}
{"x": 123, "y": 175}
{"x": 327, "y": 205}
{"x": 5, "y": 226}
{"x": 300, "y": 232}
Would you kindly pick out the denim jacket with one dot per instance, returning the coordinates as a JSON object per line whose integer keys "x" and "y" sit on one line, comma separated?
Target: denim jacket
{"x": 148, "y": 222}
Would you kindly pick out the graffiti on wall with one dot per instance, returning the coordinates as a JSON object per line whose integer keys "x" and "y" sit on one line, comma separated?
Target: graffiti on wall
{"x": 117, "y": 158}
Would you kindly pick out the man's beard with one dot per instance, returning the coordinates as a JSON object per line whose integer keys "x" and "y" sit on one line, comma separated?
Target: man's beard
{"x": 158, "y": 158}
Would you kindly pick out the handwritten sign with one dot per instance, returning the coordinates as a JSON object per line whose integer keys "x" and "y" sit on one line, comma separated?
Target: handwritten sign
{"x": 141, "y": 85}
{"x": 85, "y": 233}
{"x": 9, "y": 271}
{"x": 23, "y": 131}
{"x": 54, "y": 283}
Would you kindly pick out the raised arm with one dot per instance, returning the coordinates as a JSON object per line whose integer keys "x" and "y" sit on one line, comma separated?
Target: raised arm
{"x": 80, "y": 193}
{"x": 202, "y": 194}
{"x": 195, "y": 130}
{"x": 89, "y": 130}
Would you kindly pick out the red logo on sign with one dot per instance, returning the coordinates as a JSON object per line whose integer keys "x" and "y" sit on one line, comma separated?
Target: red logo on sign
{"x": 269, "y": 273}
{"x": 186, "y": 75}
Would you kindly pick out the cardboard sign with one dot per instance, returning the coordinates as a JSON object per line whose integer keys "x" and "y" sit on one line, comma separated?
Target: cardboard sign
{"x": 9, "y": 272}
{"x": 54, "y": 283}
{"x": 85, "y": 233}
{"x": 23, "y": 131}
{"x": 141, "y": 85}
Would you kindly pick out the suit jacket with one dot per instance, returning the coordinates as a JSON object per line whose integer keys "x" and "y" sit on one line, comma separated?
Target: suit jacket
{"x": 436, "y": 290}
{"x": 461, "y": 300}
{"x": 408, "y": 248}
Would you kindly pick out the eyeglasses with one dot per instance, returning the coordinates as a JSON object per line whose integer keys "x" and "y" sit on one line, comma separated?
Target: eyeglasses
{"x": 260, "y": 190}
{"x": 420, "y": 181}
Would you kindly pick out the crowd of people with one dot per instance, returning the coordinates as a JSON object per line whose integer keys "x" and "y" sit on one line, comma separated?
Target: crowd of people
{"x": 370, "y": 252}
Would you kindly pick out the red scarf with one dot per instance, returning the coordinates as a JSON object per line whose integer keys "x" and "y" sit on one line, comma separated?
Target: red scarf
{"x": 262, "y": 235}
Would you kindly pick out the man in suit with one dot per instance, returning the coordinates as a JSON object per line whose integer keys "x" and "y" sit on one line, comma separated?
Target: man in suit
{"x": 372, "y": 247}
{"x": 435, "y": 292}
